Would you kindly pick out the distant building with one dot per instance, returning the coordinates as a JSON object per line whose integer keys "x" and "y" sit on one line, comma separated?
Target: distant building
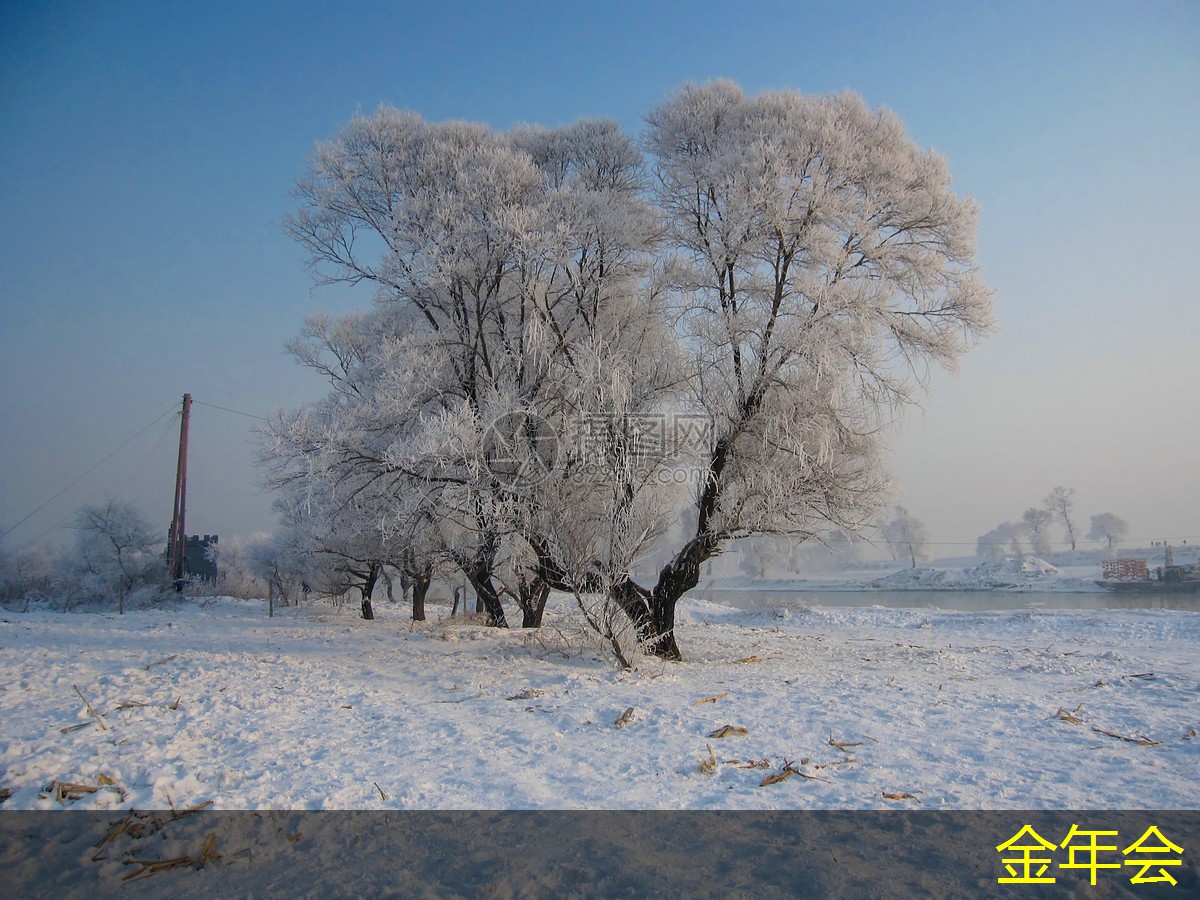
{"x": 196, "y": 563}
{"x": 196, "y": 557}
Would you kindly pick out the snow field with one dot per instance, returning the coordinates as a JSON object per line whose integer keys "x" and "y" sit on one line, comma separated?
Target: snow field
{"x": 317, "y": 709}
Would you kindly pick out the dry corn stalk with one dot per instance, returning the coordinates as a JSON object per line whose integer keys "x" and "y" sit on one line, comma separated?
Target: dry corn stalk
{"x": 70, "y": 790}
{"x": 528, "y": 694}
{"x": 120, "y": 829}
{"x": 1140, "y": 741}
{"x": 708, "y": 766}
{"x": 729, "y": 731}
{"x": 191, "y": 809}
{"x": 95, "y": 715}
{"x": 712, "y": 699}
{"x": 750, "y": 763}
{"x": 786, "y": 771}
{"x": 153, "y": 866}
{"x": 843, "y": 745}
{"x": 1071, "y": 716}
{"x": 208, "y": 853}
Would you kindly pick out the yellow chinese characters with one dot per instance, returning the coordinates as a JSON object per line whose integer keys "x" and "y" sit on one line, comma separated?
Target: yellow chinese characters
{"x": 1026, "y": 860}
{"x": 1031, "y": 855}
{"x": 1092, "y": 848}
{"x": 1140, "y": 847}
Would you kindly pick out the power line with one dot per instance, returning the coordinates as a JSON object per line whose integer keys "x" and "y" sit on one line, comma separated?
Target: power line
{"x": 157, "y": 419}
{"x": 155, "y": 442}
{"x": 1124, "y": 540}
{"x": 236, "y": 412}
{"x": 89, "y": 471}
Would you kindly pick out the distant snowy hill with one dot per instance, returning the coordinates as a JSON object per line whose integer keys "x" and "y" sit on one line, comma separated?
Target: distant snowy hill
{"x": 1028, "y": 573}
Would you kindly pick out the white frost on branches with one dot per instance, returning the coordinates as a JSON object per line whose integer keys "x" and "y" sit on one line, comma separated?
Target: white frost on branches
{"x": 784, "y": 270}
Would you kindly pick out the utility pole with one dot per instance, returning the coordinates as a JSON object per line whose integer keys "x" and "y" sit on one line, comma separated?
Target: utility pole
{"x": 176, "y": 558}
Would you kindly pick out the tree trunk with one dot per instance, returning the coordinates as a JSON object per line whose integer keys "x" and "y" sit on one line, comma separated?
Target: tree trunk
{"x": 634, "y": 601}
{"x": 488, "y": 599}
{"x": 663, "y": 599}
{"x": 653, "y": 612}
{"x": 656, "y": 625}
{"x": 420, "y": 585}
{"x": 367, "y": 589}
{"x": 532, "y": 597}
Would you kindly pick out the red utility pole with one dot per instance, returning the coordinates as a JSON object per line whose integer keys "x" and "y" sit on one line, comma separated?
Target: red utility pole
{"x": 176, "y": 561}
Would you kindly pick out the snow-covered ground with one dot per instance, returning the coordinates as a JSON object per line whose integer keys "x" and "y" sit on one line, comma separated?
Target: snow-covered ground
{"x": 852, "y": 707}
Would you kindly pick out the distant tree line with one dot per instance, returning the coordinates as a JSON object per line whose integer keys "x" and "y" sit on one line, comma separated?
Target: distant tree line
{"x": 117, "y": 560}
{"x": 904, "y": 535}
{"x": 1032, "y": 533}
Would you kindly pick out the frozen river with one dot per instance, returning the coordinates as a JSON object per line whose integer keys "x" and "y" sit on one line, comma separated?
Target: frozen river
{"x": 972, "y": 601}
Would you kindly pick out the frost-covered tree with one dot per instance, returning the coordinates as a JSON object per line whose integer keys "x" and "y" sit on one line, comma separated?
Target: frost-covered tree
{"x": 350, "y": 511}
{"x": 1060, "y": 503}
{"x": 809, "y": 263}
{"x": 342, "y": 540}
{"x": 906, "y": 536}
{"x": 1003, "y": 540}
{"x": 1035, "y": 522}
{"x": 355, "y": 536}
{"x": 1109, "y": 528}
{"x": 283, "y": 563}
{"x": 837, "y": 550}
{"x": 30, "y": 573}
{"x": 235, "y": 576}
{"x": 447, "y": 222}
{"x": 759, "y": 557}
{"x": 116, "y": 549}
{"x": 819, "y": 261}
{"x": 501, "y": 263}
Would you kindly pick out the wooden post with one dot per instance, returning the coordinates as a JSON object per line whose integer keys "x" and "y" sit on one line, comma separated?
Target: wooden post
{"x": 270, "y": 599}
{"x": 178, "y": 549}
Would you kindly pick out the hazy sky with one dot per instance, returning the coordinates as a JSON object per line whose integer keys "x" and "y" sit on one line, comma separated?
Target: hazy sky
{"x": 147, "y": 151}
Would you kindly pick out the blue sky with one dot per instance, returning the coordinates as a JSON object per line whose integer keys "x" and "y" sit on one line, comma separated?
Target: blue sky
{"x": 148, "y": 150}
